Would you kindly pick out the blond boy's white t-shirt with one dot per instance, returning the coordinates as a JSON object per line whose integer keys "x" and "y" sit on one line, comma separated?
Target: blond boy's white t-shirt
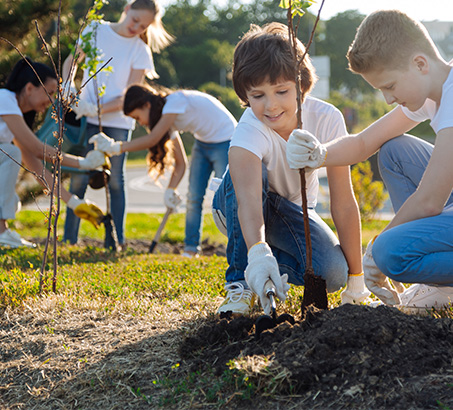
{"x": 322, "y": 119}
{"x": 441, "y": 117}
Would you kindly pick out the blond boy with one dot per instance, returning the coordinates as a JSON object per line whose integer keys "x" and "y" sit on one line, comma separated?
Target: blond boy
{"x": 396, "y": 55}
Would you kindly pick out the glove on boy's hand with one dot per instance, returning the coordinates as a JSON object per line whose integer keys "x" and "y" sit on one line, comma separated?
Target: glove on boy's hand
{"x": 106, "y": 144}
{"x": 262, "y": 266}
{"x": 303, "y": 150}
{"x": 355, "y": 291}
{"x": 172, "y": 198}
{"x": 84, "y": 109}
{"x": 377, "y": 282}
{"x": 94, "y": 159}
{"x": 85, "y": 209}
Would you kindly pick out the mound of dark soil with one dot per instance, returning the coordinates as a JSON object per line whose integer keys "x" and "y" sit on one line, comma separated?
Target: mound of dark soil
{"x": 351, "y": 356}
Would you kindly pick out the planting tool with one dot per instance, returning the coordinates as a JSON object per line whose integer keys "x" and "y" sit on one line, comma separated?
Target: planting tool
{"x": 111, "y": 237}
{"x": 159, "y": 230}
{"x": 265, "y": 322}
{"x": 315, "y": 290}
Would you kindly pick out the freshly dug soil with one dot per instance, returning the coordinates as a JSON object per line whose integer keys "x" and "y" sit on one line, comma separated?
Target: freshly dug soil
{"x": 347, "y": 357}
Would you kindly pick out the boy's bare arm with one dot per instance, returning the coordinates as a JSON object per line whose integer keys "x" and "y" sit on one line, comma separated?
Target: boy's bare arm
{"x": 346, "y": 216}
{"x": 246, "y": 174}
{"x": 436, "y": 185}
{"x": 351, "y": 149}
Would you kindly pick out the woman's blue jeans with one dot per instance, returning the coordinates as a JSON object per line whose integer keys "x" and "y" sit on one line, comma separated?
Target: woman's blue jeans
{"x": 79, "y": 183}
{"x": 419, "y": 251}
{"x": 205, "y": 158}
{"x": 284, "y": 227}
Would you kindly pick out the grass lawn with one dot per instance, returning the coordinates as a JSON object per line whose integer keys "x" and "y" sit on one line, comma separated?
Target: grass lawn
{"x": 109, "y": 337}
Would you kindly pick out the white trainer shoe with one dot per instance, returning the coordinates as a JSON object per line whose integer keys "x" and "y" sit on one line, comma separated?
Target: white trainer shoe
{"x": 420, "y": 298}
{"x": 238, "y": 301}
{"x": 14, "y": 240}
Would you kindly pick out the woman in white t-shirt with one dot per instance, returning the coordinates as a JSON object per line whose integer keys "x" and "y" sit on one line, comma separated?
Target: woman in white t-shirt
{"x": 199, "y": 113}
{"x": 128, "y": 43}
{"x": 20, "y": 100}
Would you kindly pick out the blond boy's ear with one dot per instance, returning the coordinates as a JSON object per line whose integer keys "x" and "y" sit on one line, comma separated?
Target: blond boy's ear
{"x": 421, "y": 63}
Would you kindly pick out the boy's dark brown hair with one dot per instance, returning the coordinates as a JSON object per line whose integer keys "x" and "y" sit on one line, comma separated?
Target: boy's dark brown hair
{"x": 137, "y": 96}
{"x": 388, "y": 39}
{"x": 265, "y": 54}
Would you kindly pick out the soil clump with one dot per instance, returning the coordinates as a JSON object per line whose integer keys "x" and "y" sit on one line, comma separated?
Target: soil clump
{"x": 347, "y": 357}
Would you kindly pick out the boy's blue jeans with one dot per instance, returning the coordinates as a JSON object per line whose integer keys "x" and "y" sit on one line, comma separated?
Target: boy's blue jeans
{"x": 205, "y": 158}
{"x": 79, "y": 183}
{"x": 285, "y": 235}
{"x": 419, "y": 251}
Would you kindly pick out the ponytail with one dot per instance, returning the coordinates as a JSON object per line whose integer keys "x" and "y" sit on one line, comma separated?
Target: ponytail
{"x": 155, "y": 36}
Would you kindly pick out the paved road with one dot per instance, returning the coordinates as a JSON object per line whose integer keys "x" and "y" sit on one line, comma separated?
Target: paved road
{"x": 145, "y": 196}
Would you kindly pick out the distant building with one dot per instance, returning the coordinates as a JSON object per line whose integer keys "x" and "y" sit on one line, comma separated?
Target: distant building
{"x": 322, "y": 86}
{"x": 442, "y": 34}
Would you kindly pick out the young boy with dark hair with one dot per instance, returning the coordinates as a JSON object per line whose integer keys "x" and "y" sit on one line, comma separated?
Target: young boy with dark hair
{"x": 259, "y": 200}
{"x": 396, "y": 55}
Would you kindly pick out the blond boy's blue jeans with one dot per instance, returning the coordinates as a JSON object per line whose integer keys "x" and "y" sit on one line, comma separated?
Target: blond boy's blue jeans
{"x": 419, "y": 251}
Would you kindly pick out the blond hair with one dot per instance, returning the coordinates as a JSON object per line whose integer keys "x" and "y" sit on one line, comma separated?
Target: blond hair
{"x": 388, "y": 39}
{"x": 265, "y": 54}
{"x": 155, "y": 36}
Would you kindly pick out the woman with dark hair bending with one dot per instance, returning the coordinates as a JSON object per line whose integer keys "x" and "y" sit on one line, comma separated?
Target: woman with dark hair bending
{"x": 21, "y": 98}
{"x": 165, "y": 113}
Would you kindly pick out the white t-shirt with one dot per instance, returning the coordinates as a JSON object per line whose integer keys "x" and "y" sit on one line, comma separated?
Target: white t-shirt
{"x": 441, "y": 117}
{"x": 200, "y": 114}
{"x": 126, "y": 54}
{"x": 320, "y": 118}
{"x": 8, "y": 106}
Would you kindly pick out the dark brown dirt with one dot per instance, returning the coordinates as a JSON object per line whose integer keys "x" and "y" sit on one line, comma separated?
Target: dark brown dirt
{"x": 347, "y": 357}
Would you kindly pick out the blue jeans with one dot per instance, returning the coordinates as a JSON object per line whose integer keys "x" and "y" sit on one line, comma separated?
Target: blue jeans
{"x": 419, "y": 251}
{"x": 205, "y": 158}
{"x": 285, "y": 235}
{"x": 79, "y": 183}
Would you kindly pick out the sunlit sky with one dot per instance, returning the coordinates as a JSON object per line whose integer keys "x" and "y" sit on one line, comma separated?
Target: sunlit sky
{"x": 419, "y": 9}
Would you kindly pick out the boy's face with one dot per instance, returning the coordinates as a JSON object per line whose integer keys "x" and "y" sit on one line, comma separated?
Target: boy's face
{"x": 275, "y": 105}
{"x": 407, "y": 87}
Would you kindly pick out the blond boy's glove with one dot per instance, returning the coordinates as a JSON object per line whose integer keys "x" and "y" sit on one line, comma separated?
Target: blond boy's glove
{"x": 377, "y": 282}
{"x": 106, "y": 144}
{"x": 84, "y": 109}
{"x": 303, "y": 150}
{"x": 172, "y": 198}
{"x": 355, "y": 292}
{"x": 94, "y": 159}
{"x": 85, "y": 209}
{"x": 262, "y": 266}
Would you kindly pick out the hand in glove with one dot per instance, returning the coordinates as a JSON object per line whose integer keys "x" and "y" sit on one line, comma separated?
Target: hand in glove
{"x": 262, "y": 266}
{"x": 84, "y": 109}
{"x": 355, "y": 291}
{"x": 94, "y": 159}
{"x": 106, "y": 144}
{"x": 377, "y": 282}
{"x": 172, "y": 198}
{"x": 85, "y": 209}
{"x": 303, "y": 150}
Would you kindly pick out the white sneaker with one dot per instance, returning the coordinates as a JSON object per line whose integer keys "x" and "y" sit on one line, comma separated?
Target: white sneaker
{"x": 188, "y": 254}
{"x": 238, "y": 299}
{"x": 421, "y": 298}
{"x": 13, "y": 240}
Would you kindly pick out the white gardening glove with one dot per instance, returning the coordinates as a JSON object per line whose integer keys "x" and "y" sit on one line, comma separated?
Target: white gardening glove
{"x": 106, "y": 144}
{"x": 84, "y": 109}
{"x": 377, "y": 282}
{"x": 85, "y": 209}
{"x": 262, "y": 266}
{"x": 94, "y": 159}
{"x": 172, "y": 198}
{"x": 303, "y": 150}
{"x": 355, "y": 292}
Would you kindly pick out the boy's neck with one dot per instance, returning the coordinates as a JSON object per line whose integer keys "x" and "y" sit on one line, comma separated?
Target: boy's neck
{"x": 439, "y": 73}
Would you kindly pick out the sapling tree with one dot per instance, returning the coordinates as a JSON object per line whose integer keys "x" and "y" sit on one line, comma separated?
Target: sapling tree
{"x": 315, "y": 292}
